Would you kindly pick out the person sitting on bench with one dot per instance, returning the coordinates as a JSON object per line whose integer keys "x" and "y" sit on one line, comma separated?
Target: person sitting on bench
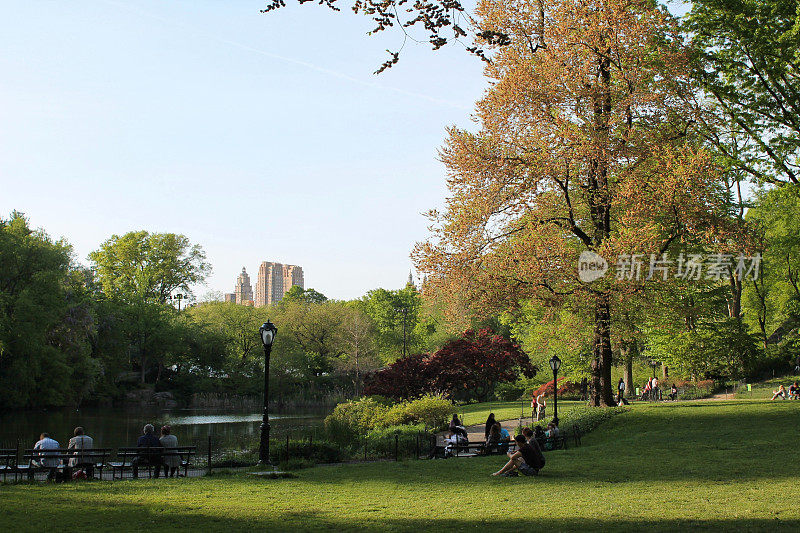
{"x": 505, "y": 438}
{"x": 493, "y": 439}
{"x": 81, "y": 441}
{"x": 148, "y": 440}
{"x": 46, "y": 449}
{"x": 524, "y": 460}
{"x": 457, "y": 427}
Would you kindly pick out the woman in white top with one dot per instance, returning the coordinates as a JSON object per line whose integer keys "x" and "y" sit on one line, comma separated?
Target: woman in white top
{"x": 171, "y": 462}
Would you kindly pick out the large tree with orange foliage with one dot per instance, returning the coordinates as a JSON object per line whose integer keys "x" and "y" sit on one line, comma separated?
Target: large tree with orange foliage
{"x": 585, "y": 144}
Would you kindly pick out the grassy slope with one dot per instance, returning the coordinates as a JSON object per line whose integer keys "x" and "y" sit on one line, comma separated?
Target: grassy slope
{"x": 704, "y": 465}
{"x": 765, "y": 389}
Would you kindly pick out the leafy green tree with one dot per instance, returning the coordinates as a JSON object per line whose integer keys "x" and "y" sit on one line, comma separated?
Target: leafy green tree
{"x": 772, "y": 302}
{"x": 748, "y": 64}
{"x": 149, "y": 266}
{"x": 36, "y": 340}
{"x": 297, "y": 293}
{"x": 396, "y": 315}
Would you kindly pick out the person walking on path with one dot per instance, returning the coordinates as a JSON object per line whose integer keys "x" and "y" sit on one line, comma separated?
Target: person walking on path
{"x": 621, "y": 388}
{"x": 541, "y": 407}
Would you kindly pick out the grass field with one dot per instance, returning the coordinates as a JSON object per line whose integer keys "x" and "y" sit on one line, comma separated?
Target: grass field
{"x": 717, "y": 465}
{"x": 765, "y": 389}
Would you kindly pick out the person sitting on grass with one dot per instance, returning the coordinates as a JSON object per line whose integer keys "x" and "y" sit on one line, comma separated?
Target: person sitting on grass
{"x": 780, "y": 392}
{"x": 524, "y": 460}
{"x": 794, "y": 391}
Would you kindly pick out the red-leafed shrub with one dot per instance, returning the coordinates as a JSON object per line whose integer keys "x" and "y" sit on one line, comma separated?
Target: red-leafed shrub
{"x": 565, "y": 388}
{"x": 466, "y": 369}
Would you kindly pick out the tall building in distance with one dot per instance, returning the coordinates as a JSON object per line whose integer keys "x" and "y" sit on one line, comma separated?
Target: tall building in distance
{"x": 244, "y": 290}
{"x": 274, "y": 280}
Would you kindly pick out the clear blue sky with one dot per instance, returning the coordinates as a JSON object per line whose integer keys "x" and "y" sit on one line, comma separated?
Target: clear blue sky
{"x": 260, "y": 137}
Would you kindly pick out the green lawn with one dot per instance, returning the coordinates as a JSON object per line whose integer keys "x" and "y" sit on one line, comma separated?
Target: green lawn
{"x": 765, "y": 389}
{"x": 717, "y": 465}
{"x": 477, "y": 413}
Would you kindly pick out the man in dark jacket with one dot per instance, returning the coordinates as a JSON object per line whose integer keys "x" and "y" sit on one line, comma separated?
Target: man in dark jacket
{"x": 147, "y": 457}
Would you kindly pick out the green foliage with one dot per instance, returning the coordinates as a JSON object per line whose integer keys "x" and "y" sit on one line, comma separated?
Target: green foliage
{"x": 381, "y": 441}
{"x": 309, "y": 296}
{"x": 353, "y": 419}
{"x": 142, "y": 266}
{"x": 386, "y": 309}
{"x": 710, "y": 350}
{"x": 509, "y": 392}
{"x": 316, "y": 451}
{"x": 748, "y": 55}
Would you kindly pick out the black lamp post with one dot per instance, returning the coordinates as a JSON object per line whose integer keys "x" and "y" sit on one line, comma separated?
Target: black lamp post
{"x": 555, "y": 364}
{"x": 268, "y": 332}
{"x": 654, "y": 364}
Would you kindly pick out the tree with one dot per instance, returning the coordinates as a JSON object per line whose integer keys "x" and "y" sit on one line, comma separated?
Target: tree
{"x": 359, "y": 344}
{"x": 149, "y": 266}
{"x": 297, "y": 293}
{"x": 466, "y": 368}
{"x": 748, "y": 52}
{"x": 585, "y": 146}
{"x": 40, "y": 354}
{"x": 396, "y": 315}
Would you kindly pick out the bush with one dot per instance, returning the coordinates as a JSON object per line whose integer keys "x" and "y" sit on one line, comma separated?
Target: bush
{"x": 381, "y": 441}
{"x": 588, "y": 418}
{"x": 433, "y": 412}
{"x": 566, "y": 389}
{"x": 351, "y": 419}
{"x": 317, "y": 451}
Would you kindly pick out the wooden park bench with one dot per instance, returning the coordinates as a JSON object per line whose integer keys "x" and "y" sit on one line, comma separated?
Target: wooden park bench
{"x": 58, "y": 461}
{"x": 150, "y": 458}
{"x": 8, "y": 462}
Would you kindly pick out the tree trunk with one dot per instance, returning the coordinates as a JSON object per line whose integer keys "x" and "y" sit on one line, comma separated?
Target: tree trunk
{"x": 629, "y": 386}
{"x": 735, "y": 299}
{"x": 601, "y": 365}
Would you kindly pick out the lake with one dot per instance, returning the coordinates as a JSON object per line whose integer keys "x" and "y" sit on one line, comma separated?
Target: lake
{"x": 117, "y": 427}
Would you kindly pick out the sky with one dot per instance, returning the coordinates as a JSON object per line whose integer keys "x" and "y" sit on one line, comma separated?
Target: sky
{"x": 261, "y": 137}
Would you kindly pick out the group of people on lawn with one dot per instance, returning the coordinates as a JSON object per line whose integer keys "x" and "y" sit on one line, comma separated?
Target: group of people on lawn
{"x": 527, "y": 458}
{"x": 793, "y": 394}
{"x": 48, "y": 450}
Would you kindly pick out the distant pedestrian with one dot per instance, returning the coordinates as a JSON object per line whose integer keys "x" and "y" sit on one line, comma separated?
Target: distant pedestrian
{"x": 621, "y": 388}
{"x": 541, "y": 407}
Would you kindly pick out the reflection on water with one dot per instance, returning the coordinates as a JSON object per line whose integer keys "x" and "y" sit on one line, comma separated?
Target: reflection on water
{"x": 115, "y": 427}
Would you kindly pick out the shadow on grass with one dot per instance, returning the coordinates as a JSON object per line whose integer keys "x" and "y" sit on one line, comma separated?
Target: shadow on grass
{"x": 109, "y": 516}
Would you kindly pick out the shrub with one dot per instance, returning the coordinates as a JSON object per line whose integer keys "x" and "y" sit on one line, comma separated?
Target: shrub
{"x": 466, "y": 368}
{"x": 566, "y": 389}
{"x": 381, "y": 441}
{"x": 351, "y": 419}
{"x": 317, "y": 451}
{"x": 432, "y": 412}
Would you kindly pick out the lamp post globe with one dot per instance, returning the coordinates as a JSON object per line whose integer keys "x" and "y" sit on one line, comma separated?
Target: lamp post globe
{"x": 268, "y": 332}
{"x": 555, "y": 365}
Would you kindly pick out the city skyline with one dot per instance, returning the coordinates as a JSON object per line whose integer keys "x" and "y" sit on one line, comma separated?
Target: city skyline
{"x": 273, "y": 282}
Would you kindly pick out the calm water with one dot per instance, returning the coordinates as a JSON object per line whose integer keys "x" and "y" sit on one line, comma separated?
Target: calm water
{"x": 115, "y": 427}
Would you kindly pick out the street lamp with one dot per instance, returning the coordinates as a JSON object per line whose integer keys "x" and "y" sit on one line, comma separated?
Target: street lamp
{"x": 268, "y": 332}
{"x": 555, "y": 364}
{"x": 654, "y": 364}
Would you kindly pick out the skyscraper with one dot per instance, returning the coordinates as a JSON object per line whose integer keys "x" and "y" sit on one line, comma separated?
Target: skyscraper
{"x": 244, "y": 290}
{"x": 274, "y": 280}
